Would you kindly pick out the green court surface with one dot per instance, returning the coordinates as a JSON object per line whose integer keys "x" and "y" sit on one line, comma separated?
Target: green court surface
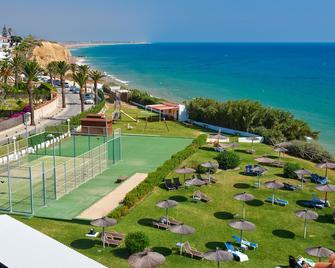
{"x": 140, "y": 154}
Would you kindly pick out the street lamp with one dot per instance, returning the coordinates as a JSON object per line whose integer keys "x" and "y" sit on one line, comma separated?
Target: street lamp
{"x": 25, "y": 121}
{"x": 68, "y": 126}
{"x": 50, "y": 136}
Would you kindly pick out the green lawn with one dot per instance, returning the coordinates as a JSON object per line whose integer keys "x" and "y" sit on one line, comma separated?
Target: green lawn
{"x": 163, "y": 128}
{"x": 278, "y": 233}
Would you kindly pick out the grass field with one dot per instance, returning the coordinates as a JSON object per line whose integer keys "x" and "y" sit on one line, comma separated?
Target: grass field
{"x": 279, "y": 232}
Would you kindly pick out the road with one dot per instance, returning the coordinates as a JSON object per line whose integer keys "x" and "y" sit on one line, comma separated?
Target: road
{"x": 72, "y": 108}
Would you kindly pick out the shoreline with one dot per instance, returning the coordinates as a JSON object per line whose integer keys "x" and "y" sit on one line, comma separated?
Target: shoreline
{"x": 95, "y": 44}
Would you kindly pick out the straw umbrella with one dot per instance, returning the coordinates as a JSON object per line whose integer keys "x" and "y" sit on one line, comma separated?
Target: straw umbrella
{"x": 284, "y": 144}
{"x": 195, "y": 182}
{"x": 104, "y": 222}
{"x": 182, "y": 229}
{"x": 209, "y": 165}
{"x": 242, "y": 225}
{"x": 244, "y": 197}
{"x": 146, "y": 259}
{"x": 326, "y": 165}
{"x": 327, "y": 188}
{"x": 166, "y": 204}
{"x": 264, "y": 160}
{"x": 218, "y": 255}
{"x": 259, "y": 171}
{"x": 320, "y": 252}
{"x": 306, "y": 215}
{"x": 184, "y": 171}
{"x": 273, "y": 185}
{"x": 280, "y": 150}
{"x": 301, "y": 173}
{"x": 252, "y": 139}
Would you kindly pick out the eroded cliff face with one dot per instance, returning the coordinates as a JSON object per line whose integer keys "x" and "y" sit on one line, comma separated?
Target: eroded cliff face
{"x": 48, "y": 52}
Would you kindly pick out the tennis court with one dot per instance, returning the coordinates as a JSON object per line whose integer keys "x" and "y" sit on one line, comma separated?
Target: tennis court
{"x": 140, "y": 154}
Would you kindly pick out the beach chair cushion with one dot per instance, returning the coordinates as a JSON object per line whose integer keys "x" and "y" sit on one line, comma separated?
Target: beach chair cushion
{"x": 277, "y": 201}
{"x": 239, "y": 256}
{"x": 245, "y": 242}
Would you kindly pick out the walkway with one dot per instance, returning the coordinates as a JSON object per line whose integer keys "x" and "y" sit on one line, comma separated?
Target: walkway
{"x": 113, "y": 199}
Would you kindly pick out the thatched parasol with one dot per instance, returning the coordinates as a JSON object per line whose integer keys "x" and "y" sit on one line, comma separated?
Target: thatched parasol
{"x": 166, "y": 204}
{"x": 218, "y": 255}
{"x": 306, "y": 215}
{"x": 244, "y": 197}
{"x": 320, "y": 252}
{"x": 146, "y": 259}
{"x": 242, "y": 225}
{"x": 273, "y": 185}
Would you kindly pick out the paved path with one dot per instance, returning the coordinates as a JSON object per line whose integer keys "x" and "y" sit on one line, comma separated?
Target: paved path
{"x": 111, "y": 201}
{"x": 72, "y": 108}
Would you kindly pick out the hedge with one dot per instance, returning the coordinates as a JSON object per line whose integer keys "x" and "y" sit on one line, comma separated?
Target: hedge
{"x": 156, "y": 177}
{"x": 75, "y": 120}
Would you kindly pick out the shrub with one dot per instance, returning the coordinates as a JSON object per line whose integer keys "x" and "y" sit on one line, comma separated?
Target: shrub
{"x": 228, "y": 160}
{"x": 142, "y": 97}
{"x": 289, "y": 169}
{"x": 202, "y": 170}
{"x": 136, "y": 242}
{"x": 310, "y": 151}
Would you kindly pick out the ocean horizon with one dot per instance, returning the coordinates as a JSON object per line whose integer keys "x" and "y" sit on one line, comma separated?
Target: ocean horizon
{"x": 297, "y": 77}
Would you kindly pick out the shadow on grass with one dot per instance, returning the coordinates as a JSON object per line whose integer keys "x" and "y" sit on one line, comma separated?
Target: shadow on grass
{"x": 241, "y": 185}
{"x": 83, "y": 243}
{"x": 303, "y": 203}
{"x": 178, "y": 198}
{"x": 162, "y": 250}
{"x": 281, "y": 175}
{"x": 146, "y": 222}
{"x": 325, "y": 219}
{"x": 120, "y": 253}
{"x": 215, "y": 244}
{"x": 223, "y": 215}
{"x": 255, "y": 203}
{"x": 283, "y": 233}
{"x": 243, "y": 151}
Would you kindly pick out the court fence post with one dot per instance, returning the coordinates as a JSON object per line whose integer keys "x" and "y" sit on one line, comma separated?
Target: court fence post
{"x": 65, "y": 178}
{"x": 75, "y": 172}
{"x": 100, "y": 159}
{"x": 44, "y": 186}
{"x": 9, "y": 183}
{"x": 31, "y": 191}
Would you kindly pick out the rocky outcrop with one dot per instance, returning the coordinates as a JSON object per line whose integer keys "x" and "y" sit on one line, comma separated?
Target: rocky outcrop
{"x": 48, "y": 52}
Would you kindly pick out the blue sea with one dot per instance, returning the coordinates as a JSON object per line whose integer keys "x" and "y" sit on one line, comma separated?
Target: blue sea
{"x": 298, "y": 77}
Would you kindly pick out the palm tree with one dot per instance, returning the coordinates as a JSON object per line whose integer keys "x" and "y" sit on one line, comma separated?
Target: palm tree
{"x": 6, "y": 71}
{"x": 17, "y": 65}
{"x": 81, "y": 78}
{"x": 52, "y": 70}
{"x": 73, "y": 68}
{"x": 31, "y": 69}
{"x": 62, "y": 68}
{"x": 96, "y": 76}
{"x": 85, "y": 69}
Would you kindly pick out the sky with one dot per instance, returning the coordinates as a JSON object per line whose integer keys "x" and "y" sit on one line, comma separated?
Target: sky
{"x": 173, "y": 20}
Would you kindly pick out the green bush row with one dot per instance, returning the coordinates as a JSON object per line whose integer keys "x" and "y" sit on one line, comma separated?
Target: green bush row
{"x": 75, "y": 120}
{"x": 142, "y": 97}
{"x": 155, "y": 178}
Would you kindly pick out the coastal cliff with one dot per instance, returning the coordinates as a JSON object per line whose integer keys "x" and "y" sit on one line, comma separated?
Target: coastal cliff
{"x": 48, "y": 52}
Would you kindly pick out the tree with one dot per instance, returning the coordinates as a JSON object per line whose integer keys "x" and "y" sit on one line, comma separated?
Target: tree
{"x": 52, "y": 70}
{"x": 85, "y": 69}
{"x": 62, "y": 69}
{"x": 17, "y": 64}
{"x": 5, "y": 71}
{"x": 228, "y": 159}
{"x": 96, "y": 76}
{"x": 4, "y": 31}
{"x": 81, "y": 78}
{"x": 73, "y": 68}
{"x": 31, "y": 69}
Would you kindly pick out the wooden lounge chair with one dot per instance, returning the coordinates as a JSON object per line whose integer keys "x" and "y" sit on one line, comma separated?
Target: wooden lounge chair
{"x": 116, "y": 235}
{"x": 200, "y": 196}
{"x": 177, "y": 182}
{"x": 160, "y": 225}
{"x": 169, "y": 184}
{"x": 192, "y": 251}
{"x": 171, "y": 221}
{"x": 109, "y": 240}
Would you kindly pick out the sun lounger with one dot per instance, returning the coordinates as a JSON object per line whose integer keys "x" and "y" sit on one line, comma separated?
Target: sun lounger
{"x": 160, "y": 225}
{"x": 171, "y": 221}
{"x": 109, "y": 240}
{"x": 239, "y": 256}
{"x": 116, "y": 235}
{"x": 169, "y": 185}
{"x": 199, "y": 196}
{"x": 301, "y": 260}
{"x": 177, "y": 182}
{"x": 245, "y": 242}
{"x": 192, "y": 251}
{"x": 277, "y": 201}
